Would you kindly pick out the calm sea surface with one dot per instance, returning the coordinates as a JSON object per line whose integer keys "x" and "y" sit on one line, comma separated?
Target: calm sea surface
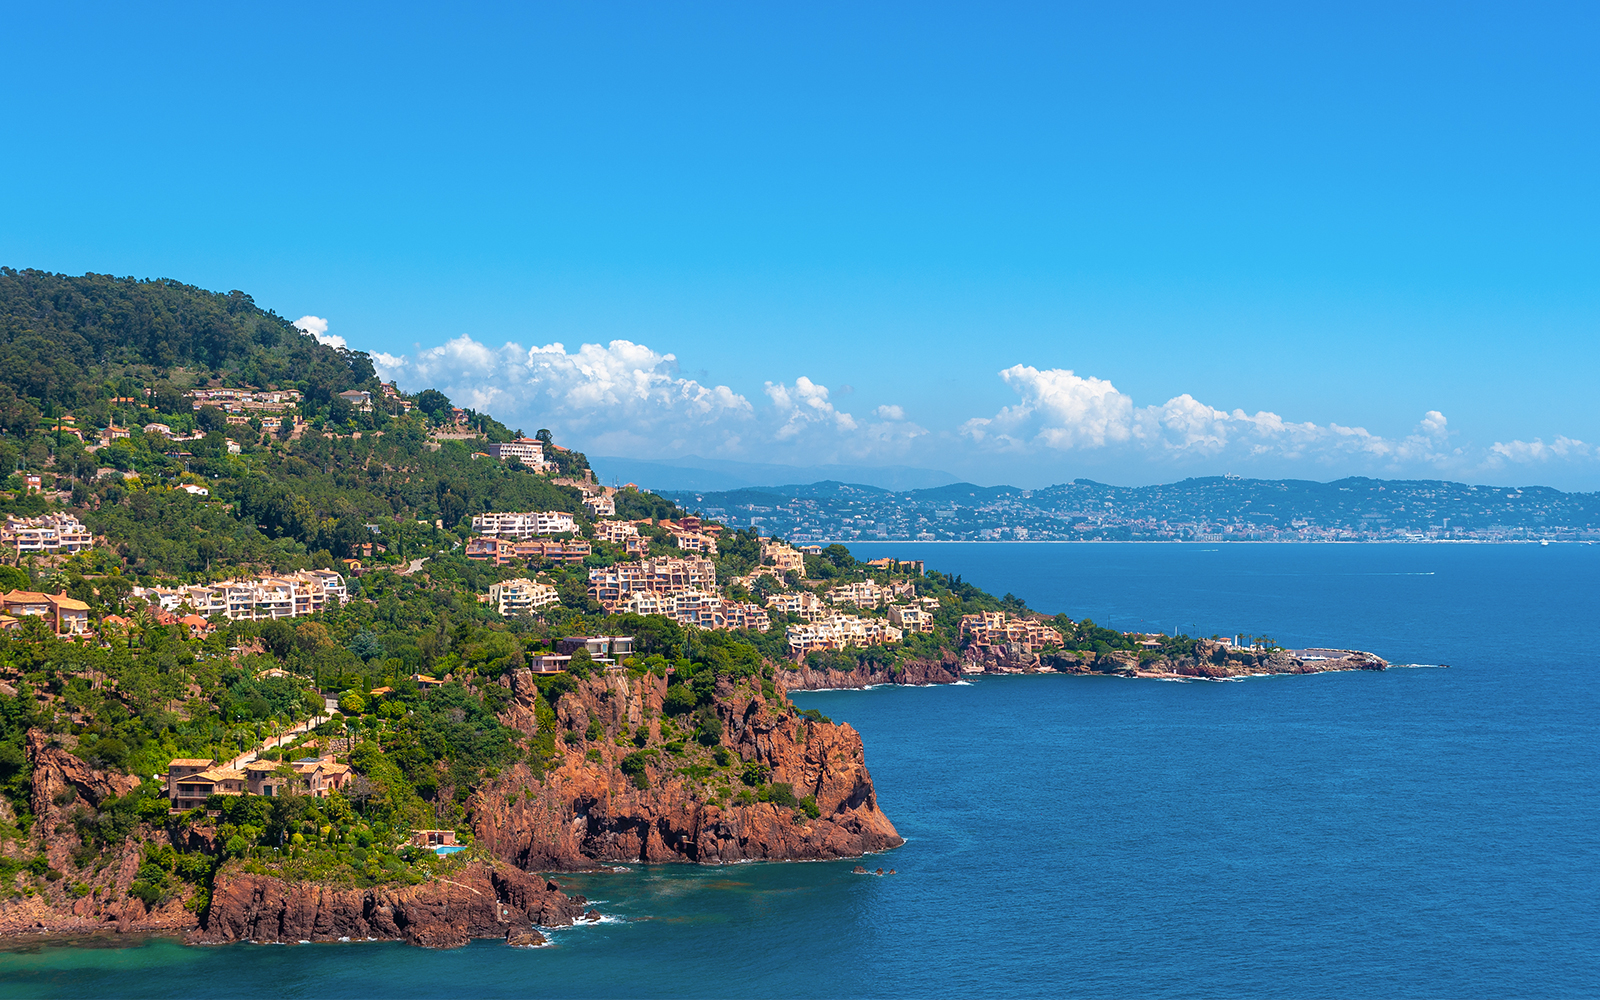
{"x": 1421, "y": 832}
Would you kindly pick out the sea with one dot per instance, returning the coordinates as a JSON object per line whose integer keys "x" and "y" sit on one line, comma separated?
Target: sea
{"x": 1429, "y": 831}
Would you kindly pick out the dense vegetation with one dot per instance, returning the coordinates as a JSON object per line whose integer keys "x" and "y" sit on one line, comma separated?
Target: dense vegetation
{"x": 384, "y": 487}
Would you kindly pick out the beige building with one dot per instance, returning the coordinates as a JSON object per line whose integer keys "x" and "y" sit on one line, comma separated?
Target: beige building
{"x": 783, "y": 558}
{"x": 66, "y": 615}
{"x": 804, "y": 603}
{"x": 838, "y": 632}
{"x": 910, "y": 618}
{"x": 995, "y": 628}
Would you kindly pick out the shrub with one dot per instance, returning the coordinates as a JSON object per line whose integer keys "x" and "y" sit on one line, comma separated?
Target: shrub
{"x": 634, "y": 766}
{"x": 755, "y": 773}
{"x": 781, "y": 793}
{"x": 680, "y": 700}
{"x": 596, "y": 730}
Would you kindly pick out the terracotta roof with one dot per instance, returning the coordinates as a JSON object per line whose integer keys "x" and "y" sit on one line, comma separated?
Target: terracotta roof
{"x": 191, "y": 762}
{"x": 221, "y": 774}
{"x": 25, "y": 597}
{"x": 67, "y": 603}
{"x": 262, "y": 765}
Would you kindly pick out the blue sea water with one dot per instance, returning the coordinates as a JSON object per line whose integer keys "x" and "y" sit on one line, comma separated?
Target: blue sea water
{"x": 1415, "y": 833}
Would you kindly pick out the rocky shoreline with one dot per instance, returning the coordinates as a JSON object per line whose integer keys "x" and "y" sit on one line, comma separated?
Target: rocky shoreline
{"x": 1210, "y": 661}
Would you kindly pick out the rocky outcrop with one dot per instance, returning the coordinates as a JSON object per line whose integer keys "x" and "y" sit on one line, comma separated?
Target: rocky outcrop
{"x": 58, "y": 775}
{"x": 585, "y": 811}
{"x": 479, "y": 901}
{"x": 1211, "y": 660}
{"x": 914, "y": 672}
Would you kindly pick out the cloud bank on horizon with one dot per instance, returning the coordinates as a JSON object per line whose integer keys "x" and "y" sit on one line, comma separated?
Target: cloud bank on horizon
{"x": 627, "y": 399}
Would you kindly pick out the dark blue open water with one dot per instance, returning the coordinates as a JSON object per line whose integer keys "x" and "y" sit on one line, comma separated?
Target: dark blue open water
{"x": 1420, "y": 832}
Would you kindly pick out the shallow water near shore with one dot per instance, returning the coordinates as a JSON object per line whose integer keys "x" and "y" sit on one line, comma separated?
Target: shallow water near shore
{"x": 1410, "y": 833}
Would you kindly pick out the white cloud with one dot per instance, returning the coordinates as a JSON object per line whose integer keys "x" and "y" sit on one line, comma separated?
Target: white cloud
{"x": 804, "y": 405}
{"x": 618, "y": 398}
{"x": 1536, "y": 451}
{"x": 624, "y": 398}
{"x": 318, "y": 328}
{"x": 1060, "y": 411}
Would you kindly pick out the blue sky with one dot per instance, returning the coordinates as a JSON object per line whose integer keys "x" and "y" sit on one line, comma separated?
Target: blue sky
{"x": 1020, "y": 243}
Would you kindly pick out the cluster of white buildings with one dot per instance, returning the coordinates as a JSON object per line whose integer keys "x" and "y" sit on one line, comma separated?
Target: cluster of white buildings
{"x": 839, "y": 631}
{"x": 612, "y": 586}
{"x": 520, "y": 596}
{"x": 257, "y": 599}
{"x": 48, "y": 535}
{"x": 529, "y": 524}
{"x": 997, "y": 628}
{"x": 870, "y": 594}
{"x": 702, "y": 609}
{"x": 802, "y": 602}
{"x": 242, "y": 400}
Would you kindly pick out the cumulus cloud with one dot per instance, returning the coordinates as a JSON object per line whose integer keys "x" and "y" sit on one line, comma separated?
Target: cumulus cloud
{"x": 624, "y": 398}
{"x": 318, "y": 328}
{"x": 1536, "y": 451}
{"x": 1061, "y": 411}
{"x": 804, "y": 405}
{"x": 619, "y": 396}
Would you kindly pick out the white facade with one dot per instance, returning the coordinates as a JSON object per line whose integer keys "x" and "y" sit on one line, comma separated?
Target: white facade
{"x": 529, "y": 451}
{"x": 524, "y": 525}
{"x": 521, "y": 595}
{"x": 258, "y": 599}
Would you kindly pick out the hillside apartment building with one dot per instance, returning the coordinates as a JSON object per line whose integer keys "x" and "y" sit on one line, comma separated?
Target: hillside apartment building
{"x": 291, "y": 596}
{"x": 46, "y": 535}
{"x": 529, "y": 524}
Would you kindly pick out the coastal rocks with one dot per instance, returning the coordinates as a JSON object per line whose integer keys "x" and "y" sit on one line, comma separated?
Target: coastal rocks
{"x": 913, "y": 672}
{"x": 585, "y": 811}
{"x": 525, "y": 939}
{"x": 479, "y": 901}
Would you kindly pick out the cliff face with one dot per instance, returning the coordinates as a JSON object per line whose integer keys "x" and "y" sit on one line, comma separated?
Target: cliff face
{"x": 477, "y": 902}
{"x": 915, "y": 672}
{"x": 585, "y": 811}
{"x": 91, "y": 897}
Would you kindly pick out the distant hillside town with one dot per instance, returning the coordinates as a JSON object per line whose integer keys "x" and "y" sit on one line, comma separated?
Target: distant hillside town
{"x": 1216, "y": 509}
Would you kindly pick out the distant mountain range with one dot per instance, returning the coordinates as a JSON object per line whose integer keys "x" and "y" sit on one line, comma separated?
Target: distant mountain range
{"x": 1208, "y": 509}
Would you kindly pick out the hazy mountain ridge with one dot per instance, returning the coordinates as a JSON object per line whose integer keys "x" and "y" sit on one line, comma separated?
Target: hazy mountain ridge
{"x": 1201, "y": 509}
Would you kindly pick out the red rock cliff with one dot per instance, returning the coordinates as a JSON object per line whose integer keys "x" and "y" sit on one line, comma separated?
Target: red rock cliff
{"x": 478, "y": 901}
{"x": 585, "y": 811}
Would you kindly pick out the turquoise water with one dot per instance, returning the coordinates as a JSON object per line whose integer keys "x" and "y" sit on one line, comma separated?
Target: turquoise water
{"x": 1421, "y": 832}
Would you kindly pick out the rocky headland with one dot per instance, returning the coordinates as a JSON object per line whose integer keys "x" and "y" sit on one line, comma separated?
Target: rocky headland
{"x": 689, "y": 800}
{"x": 1210, "y": 661}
